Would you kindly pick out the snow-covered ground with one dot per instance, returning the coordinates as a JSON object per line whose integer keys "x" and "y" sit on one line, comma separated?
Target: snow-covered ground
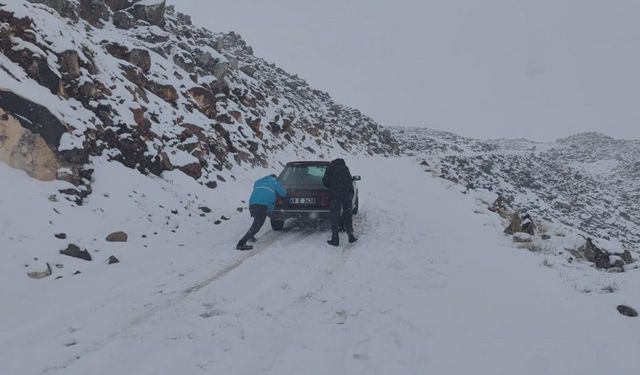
{"x": 431, "y": 287}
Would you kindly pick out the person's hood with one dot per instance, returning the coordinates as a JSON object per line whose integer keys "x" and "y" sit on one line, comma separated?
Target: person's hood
{"x": 269, "y": 177}
{"x": 338, "y": 162}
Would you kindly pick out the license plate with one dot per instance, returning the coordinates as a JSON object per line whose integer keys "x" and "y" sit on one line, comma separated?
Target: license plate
{"x": 302, "y": 200}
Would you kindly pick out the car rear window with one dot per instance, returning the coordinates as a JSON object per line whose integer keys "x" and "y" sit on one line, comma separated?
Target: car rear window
{"x": 303, "y": 174}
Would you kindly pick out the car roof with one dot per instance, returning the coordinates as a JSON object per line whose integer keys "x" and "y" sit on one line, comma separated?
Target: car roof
{"x": 317, "y": 162}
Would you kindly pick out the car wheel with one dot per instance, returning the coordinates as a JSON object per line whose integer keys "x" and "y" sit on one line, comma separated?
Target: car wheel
{"x": 356, "y": 206}
{"x": 277, "y": 224}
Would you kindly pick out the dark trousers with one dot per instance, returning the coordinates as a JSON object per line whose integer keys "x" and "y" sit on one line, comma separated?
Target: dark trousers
{"x": 341, "y": 211}
{"x": 259, "y": 214}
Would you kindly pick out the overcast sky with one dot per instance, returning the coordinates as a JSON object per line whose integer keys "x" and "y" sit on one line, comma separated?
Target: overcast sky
{"x": 539, "y": 69}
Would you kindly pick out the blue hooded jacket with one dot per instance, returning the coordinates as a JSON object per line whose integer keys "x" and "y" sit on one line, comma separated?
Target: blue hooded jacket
{"x": 265, "y": 191}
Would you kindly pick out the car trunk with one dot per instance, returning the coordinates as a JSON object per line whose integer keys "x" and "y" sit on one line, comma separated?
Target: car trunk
{"x": 304, "y": 197}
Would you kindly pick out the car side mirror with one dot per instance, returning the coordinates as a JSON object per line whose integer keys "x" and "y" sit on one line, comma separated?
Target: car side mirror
{"x": 356, "y": 178}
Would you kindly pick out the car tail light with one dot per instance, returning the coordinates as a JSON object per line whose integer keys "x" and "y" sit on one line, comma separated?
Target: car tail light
{"x": 324, "y": 200}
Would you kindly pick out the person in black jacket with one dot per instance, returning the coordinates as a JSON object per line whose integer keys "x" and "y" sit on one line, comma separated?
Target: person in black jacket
{"x": 337, "y": 178}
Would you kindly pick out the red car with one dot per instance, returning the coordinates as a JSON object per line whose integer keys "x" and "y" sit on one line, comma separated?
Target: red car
{"x": 307, "y": 197}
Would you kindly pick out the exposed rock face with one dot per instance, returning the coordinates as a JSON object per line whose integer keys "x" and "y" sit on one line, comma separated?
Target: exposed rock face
{"x": 167, "y": 93}
{"x": 527, "y": 225}
{"x": 152, "y": 12}
{"x": 591, "y": 251}
{"x": 136, "y": 56}
{"x": 194, "y": 170}
{"x": 30, "y": 138}
{"x": 40, "y": 70}
{"x": 602, "y": 258}
{"x": 70, "y": 64}
{"x": 94, "y": 11}
{"x": 33, "y": 117}
{"x": 221, "y": 69}
{"x": 205, "y": 60}
{"x": 140, "y": 58}
{"x": 65, "y": 8}
{"x": 22, "y": 149}
{"x": 123, "y": 20}
{"x": 117, "y": 5}
{"x": 501, "y": 206}
{"x": 514, "y": 226}
{"x": 520, "y": 224}
{"x": 205, "y": 99}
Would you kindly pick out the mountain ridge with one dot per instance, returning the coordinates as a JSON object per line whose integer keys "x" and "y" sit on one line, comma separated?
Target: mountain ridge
{"x": 588, "y": 181}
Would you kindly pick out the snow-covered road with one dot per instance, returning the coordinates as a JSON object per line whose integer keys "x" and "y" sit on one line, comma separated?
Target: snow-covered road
{"x": 431, "y": 287}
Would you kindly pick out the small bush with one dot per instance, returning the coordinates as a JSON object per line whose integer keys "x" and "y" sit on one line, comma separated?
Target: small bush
{"x": 611, "y": 288}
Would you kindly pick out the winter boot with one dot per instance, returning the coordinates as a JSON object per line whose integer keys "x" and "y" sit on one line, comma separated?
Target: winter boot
{"x": 253, "y": 239}
{"x": 352, "y": 238}
{"x": 335, "y": 240}
{"x": 244, "y": 247}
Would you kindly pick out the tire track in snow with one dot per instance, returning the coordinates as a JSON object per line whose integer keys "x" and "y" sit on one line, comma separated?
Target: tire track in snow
{"x": 294, "y": 234}
{"x": 339, "y": 262}
{"x": 273, "y": 238}
{"x": 386, "y": 223}
{"x": 309, "y": 284}
{"x": 330, "y": 310}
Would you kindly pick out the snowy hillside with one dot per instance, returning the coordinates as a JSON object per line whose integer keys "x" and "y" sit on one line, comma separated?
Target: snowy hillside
{"x": 589, "y": 181}
{"x": 136, "y": 82}
{"x": 431, "y": 287}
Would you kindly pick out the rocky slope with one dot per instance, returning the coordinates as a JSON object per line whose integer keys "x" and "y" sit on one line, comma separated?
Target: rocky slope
{"x": 138, "y": 83}
{"x": 588, "y": 181}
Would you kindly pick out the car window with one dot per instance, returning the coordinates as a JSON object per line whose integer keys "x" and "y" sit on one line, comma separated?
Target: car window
{"x": 316, "y": 171}
{"x": 303, "y": 174}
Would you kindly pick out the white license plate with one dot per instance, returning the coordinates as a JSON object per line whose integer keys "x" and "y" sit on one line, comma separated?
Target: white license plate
{"x": 302, "y": 200}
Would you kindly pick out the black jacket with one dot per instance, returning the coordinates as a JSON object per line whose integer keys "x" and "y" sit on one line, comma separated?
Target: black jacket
{"x": 337, "y": 177}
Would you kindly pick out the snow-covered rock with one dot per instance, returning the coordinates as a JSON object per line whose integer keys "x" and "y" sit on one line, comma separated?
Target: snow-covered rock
{"x": 522, "y": 237}
{"x": 151, "y": 11}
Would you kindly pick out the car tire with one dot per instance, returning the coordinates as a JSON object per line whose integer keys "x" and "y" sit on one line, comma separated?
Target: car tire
{"x": 356, "y": 206}
{"x": 277, "y": 225}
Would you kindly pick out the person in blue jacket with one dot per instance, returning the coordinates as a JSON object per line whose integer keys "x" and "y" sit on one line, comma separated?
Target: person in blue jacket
{"x": 261, "y": 203}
